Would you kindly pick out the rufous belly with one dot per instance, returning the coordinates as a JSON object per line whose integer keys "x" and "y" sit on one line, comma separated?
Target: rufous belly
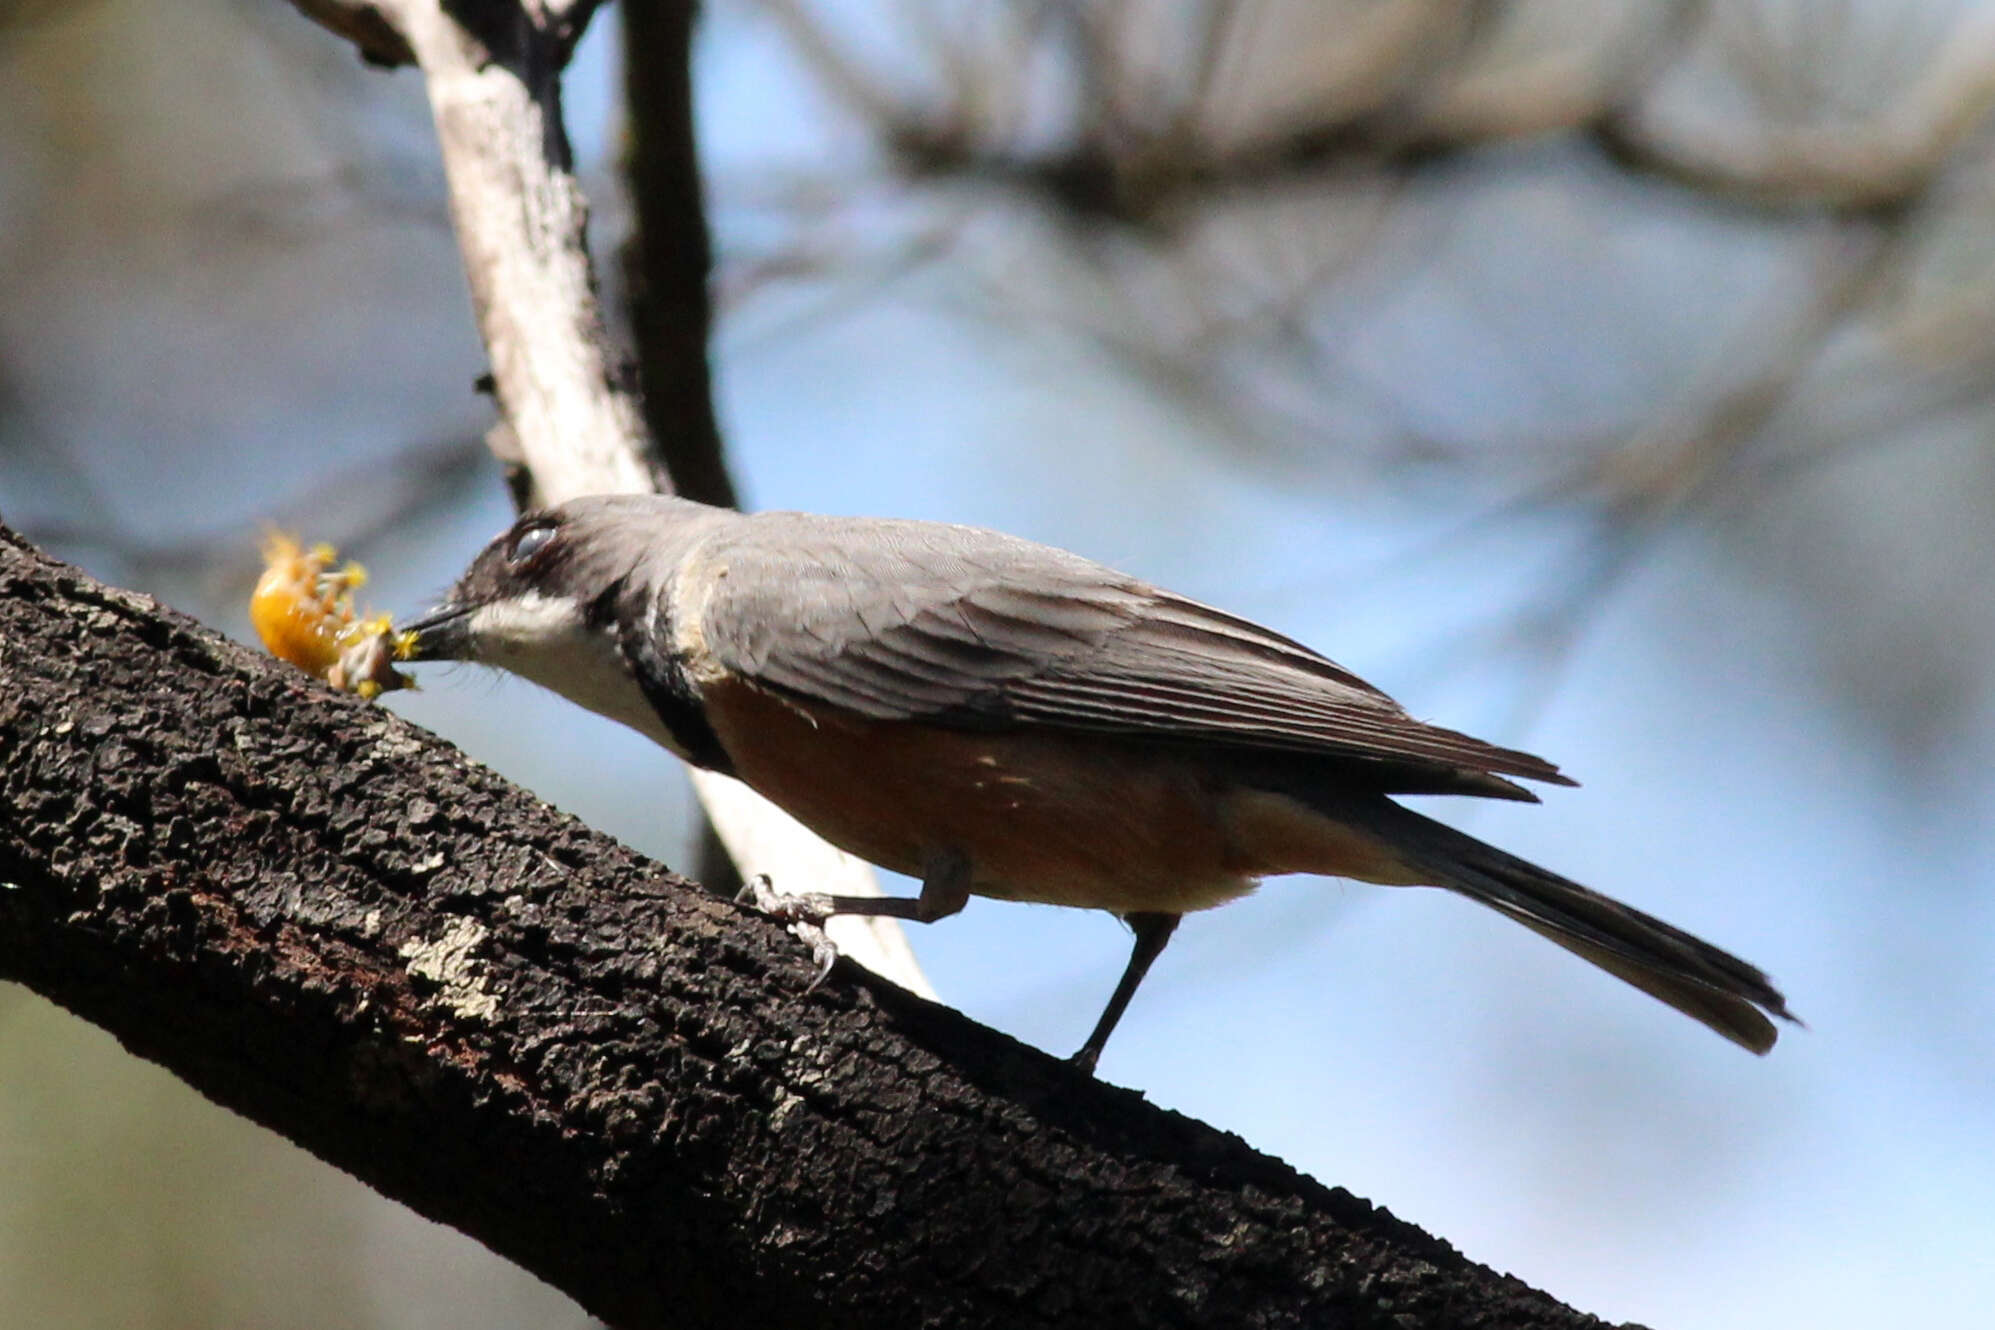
{"x": 1049, "y": 816}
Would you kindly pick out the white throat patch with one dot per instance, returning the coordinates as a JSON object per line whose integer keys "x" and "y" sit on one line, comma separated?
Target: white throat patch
{"x": 545, "y": 639}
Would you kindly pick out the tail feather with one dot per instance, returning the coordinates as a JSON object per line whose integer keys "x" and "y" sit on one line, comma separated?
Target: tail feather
{"x": 1699, "y": 980}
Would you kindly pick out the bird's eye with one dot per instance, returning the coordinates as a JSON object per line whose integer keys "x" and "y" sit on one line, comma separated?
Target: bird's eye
{"x": 528, "y": 543}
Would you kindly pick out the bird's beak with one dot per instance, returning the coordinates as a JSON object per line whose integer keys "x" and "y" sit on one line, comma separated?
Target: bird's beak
{"x": 442, "y": 634}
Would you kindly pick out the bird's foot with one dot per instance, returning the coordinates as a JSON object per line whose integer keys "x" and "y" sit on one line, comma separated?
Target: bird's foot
{"x": 805, "y": 914}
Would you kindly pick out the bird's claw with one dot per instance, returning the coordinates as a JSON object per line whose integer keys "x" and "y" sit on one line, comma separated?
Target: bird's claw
{"x": 823, "y": 952}
{"x": 804, "y": 917}
{"x": 760, "y": 894}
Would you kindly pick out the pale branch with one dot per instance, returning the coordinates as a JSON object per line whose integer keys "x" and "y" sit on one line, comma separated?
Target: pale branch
{"x": 332, "y": 922}
{"x": 492, "y": 71}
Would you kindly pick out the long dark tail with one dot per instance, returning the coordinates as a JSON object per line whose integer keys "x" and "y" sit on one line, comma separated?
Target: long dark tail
{"x": 1688, "y": 973}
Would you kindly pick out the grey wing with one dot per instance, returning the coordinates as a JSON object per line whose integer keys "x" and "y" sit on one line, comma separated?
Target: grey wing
{"x": 974, "y": 629}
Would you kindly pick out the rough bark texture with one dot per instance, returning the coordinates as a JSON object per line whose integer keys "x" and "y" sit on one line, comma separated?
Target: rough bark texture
{"x": 330, "y": 921}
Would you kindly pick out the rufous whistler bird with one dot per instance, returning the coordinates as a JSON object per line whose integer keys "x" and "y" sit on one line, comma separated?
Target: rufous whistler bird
{"x": 1004, "y": 719}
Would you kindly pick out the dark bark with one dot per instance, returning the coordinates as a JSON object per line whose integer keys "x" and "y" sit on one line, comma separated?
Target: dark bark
{"x": 332, "y": 922}
{"x": 668, "y": 257}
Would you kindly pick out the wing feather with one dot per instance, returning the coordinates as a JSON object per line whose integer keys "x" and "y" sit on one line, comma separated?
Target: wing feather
{"x": 961, "y": 627}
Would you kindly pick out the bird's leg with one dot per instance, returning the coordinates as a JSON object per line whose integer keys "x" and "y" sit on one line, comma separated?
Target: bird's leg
{"x": 945, "y": 889}
{"x": 1152, "y": 932}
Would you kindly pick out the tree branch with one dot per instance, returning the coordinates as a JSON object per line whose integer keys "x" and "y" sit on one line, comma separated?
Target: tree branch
{"x": 333, "y": 923}
{"x": 493, "y": 71}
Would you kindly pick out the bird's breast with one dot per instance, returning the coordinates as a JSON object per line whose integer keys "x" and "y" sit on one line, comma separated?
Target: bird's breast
{"x": 1053, "y": 817}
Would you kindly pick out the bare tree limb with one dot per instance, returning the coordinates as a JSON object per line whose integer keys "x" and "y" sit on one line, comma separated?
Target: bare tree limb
{"x": 493, "y": 75}
{"x": 333, "y": 923}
